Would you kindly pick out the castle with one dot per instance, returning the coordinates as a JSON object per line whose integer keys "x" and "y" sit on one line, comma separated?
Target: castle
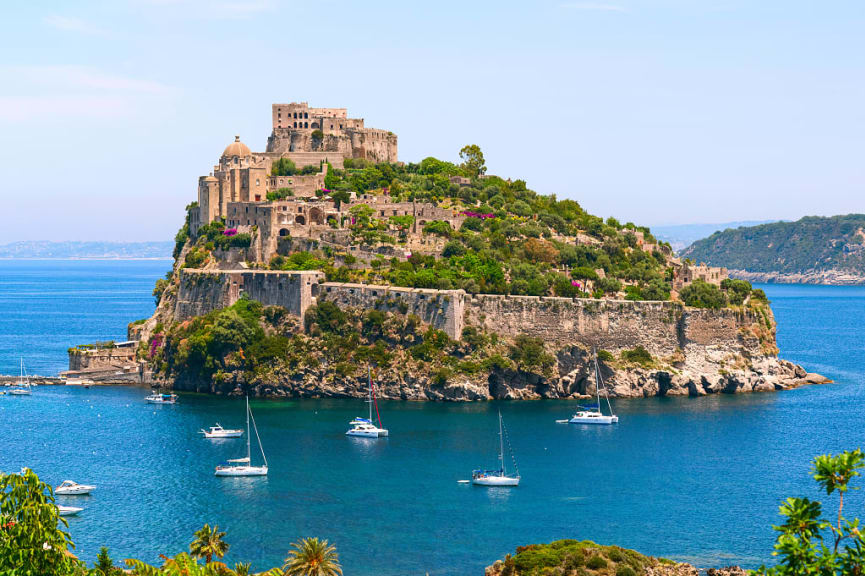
{"x": 312, "y": 138}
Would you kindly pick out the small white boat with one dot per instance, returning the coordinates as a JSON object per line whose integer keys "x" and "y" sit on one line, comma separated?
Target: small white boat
{"x": 363, "y": 427}
{"x": 219, "y": 432}
{"x": 70, "y": 488}
{"x": 158, "y": 398}
{"x": 68, "y": 510}
{"x": 243, "y": 466}
{"x": 592, "y": 414}
{"x": 22, "y": 387}
{"x": 498, "y": 477}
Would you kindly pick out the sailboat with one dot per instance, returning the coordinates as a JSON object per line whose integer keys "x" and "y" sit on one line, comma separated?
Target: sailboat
{"x": 592, "y": 414}
{"x": 498, "y": 477}
{"x": 22, "y": 387}
{"x": 363, "y": 427}
{"x": 243, "y": 466}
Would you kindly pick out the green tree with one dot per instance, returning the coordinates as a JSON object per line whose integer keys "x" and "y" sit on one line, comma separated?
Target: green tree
{"x": 208, "y": 543}
{"x": 529, "y": 353}
{"x": 104, "y": 565}
{"x": 31, "y": 542}
{"x": 312, "y": 557}
{"x": 473, "y": 160}
{"x": 283, "y": 167}
{"x": 701, "y": 294}
{"x": 801, "y": 544}
{"x": 340, "y": 197}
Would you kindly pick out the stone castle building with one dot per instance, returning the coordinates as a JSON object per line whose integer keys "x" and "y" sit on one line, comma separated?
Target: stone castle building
{"x": 237, "y": 189}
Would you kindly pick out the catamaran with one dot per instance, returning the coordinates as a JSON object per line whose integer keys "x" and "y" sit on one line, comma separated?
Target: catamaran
{"x": 498, "y": 477}
{"x": 219, "y": 432}
{"x": 243, "y": 466}
{"x": 70, "y": 488}
{"x": 592, "y": 414}
{"x": 363, "y": 427}
{"x": 158, "y": 398}
{"x": 22, "y": 387}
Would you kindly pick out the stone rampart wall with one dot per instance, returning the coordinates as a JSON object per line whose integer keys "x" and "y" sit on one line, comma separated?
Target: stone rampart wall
{"x": 442, "y": 309}
{"x": 662, "y": 328}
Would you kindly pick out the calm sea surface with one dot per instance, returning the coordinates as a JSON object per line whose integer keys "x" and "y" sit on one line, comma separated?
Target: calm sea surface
{"x": 692, "y": 479}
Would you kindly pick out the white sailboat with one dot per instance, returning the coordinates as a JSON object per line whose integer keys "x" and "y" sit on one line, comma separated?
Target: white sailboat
{"x": 593, "y": 414}
{"x": 363, "y": 427}
{"x": 498, "y": 477}
{"x": 243, "y": 466}
{"x": 22, "y": 387}
{"x": 219, "y": 432}
{"x": 68, "y": 510}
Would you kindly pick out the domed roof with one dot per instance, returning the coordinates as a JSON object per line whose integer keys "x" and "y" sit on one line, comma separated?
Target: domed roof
{"x": 237, "y": 148}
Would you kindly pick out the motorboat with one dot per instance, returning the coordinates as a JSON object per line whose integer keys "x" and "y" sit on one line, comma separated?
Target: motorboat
{"x": 68, "y": 510}
{"x": 219, "y": 432}
{"x": 22, "y": 387}
{"x": 70, "y": 488}
{"x": 243, "y": 466}
{"x": 159, "y": 398}
{"x": 592, "y": 414}
{"x": 498, "y": 477}
{"x": 364, "y": 427}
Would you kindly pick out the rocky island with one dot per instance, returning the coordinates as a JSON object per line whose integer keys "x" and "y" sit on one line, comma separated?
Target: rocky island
{"x": 298, "y": 267}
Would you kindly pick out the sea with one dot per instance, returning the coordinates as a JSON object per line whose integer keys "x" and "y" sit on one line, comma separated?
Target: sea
{"x": 692, "y": 479}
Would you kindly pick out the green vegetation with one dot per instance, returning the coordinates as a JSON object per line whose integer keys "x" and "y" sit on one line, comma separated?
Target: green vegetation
{"x": 810, "y": 244}
{"x": 809, "y": 543}
{"x": 33, "y": 542}
{"x": 280, "y": 194}
{"x": 574, "y": 557}
{"x": 701, "y": 294}
{"x": 637, "y": 355}
{"x": 513, "y": 240}
{"x": 283, "y": 167}
{"x": 312, "y": 557}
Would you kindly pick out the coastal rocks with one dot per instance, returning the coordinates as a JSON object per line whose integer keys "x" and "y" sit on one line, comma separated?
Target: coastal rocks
{"x": 827, "y": 277}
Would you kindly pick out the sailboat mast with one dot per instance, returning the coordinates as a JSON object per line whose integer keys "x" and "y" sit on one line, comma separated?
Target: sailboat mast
{"x": 369, "y": 382}
{"x": 501, "y": 444}
{"x": 248, "y": 450}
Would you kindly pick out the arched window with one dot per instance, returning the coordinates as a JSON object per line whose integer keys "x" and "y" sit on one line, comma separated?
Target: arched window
{"x": 306, "y": 114}
{"x": 299, "y": 219}
{"x": 295, "y": 114}
{"x": 306, "y": 124}
{"x": 283, "y": 232}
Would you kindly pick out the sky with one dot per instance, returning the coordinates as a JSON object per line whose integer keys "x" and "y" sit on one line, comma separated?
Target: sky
{"x": 652, "y": 111}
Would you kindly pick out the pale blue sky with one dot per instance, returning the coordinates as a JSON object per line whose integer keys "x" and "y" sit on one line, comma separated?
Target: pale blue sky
{"x": 659, "y": 112}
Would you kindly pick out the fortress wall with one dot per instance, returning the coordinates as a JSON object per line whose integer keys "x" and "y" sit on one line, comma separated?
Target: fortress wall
{"x": 442, "y": 309}
{"x": 605, "y": 324}
{"x": 659, "y": 327}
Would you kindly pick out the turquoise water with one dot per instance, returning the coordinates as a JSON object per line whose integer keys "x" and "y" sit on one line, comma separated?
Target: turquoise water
{"x": 693, "y": 479}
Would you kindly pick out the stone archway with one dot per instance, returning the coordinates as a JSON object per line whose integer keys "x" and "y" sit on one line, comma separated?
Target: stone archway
{"x": 284, "y": 232}
{"x": 299, "y": 219}
{"x": 316, "y": 216}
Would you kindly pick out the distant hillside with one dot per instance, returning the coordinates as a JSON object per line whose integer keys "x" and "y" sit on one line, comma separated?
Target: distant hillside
{"x": 811, "y": 250}
{"x": 86, "y": 250}
{"x": 680, "y": 236}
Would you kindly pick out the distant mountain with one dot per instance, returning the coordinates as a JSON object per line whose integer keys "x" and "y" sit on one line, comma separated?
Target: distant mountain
{"x": 86, "y": 250}
{"x": 681, "y": 236}
{"x": 811, "y": 250}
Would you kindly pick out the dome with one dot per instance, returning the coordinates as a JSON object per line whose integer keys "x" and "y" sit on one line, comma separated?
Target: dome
{"x": 236, "y": 148}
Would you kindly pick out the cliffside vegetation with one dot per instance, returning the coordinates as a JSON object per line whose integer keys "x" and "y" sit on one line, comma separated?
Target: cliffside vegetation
{"x": 513, "y": 240}
{"x": 805, "y": 246}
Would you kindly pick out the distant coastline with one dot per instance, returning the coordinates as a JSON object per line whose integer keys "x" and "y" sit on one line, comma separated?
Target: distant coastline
{"x": 86, "y": 250}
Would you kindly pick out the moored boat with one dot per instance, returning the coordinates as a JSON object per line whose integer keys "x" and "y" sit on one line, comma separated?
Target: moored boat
{"x": 219, "y": 432}
{"x": 592, "y": 414}
{"x": 22, "y": 387}
{"x": 363, "y": 427}
{"x": 70, "y": 488}
{"x": 498, "y": 477}
{"x": 243, "y": 466}
{"x": 158, "y": 398}
{"x": 68, "y": 510}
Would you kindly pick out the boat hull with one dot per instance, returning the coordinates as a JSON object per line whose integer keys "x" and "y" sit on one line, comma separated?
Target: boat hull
{"x": 75, "y": 491}
{"x": 241, "y": 471}
{"x": 226, "y": 434}
{"x": 20, "y": 392}
{"x": 599, "y": 420}
{"x": 496, "y": 481}
{"x": 68, "y": 510}
{"x": 380, "y": 433}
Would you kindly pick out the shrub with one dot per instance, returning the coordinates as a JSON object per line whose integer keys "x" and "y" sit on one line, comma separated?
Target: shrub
{"x": 596, "y": 562}
{"x": 625, "y": 570}
{"x": 605, "y": 356}
{"x": 280, "y": 194}
{"x": 701, "y": 294}
{"x": 283, "y": 167}
{"x": 529, "y": 353}
{"x": 638, "y": 355}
